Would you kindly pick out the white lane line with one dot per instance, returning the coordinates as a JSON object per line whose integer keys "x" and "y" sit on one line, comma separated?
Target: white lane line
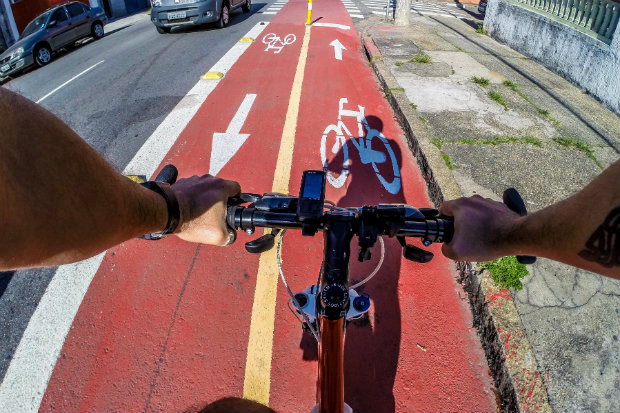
{"x": 68, "y": 81}
{"x": 359, "y": 16}
{"x": 34, "y": 359}
{"x": 333, "y": 25}
{"x": 26, "y": 378}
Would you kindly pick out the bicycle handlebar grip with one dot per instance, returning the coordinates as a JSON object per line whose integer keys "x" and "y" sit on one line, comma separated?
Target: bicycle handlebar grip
{"x": 448, "y": 229}
{"x": 513, "y": 200}
{"x": 168, "y": 174}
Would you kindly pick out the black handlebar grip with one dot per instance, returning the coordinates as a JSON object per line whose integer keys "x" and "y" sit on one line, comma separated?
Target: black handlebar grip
{"x": 168, "y": 174}
{"x": 513, "y": 200}
{"x": 448, "y": 229}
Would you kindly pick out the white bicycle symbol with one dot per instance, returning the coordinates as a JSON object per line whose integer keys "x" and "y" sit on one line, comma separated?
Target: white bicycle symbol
{"x": 364, "y": 146}
{"x": 274, "y": 42}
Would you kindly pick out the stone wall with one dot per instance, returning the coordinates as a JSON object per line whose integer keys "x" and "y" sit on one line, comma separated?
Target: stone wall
{"x": 584, "y": 60}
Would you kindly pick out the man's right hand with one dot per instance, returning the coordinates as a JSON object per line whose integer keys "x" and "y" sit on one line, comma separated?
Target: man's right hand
{"x": 203, "y": 200}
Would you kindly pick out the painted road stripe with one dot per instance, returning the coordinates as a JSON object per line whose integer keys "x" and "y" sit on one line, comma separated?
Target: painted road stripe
{"x": 257, "y": 381}
{"x": 333, "y": 25}
{"x": 34, "y": 359}
{"x": 68, "y": 81}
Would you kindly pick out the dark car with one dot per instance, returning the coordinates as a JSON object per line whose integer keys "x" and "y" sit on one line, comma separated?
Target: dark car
{"x": 167, "y": 14}
{"x": 482, "y": 7}
{"x": 58, "y": 27}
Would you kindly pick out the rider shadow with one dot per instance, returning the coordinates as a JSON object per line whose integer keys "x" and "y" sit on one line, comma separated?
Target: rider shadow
{"x": 372, "y": 344}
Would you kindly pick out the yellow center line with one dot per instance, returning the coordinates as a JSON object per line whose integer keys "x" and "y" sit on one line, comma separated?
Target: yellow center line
{"x": 257, "y": 380}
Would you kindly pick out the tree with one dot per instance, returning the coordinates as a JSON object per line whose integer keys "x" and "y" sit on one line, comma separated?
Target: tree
{"x": 403, "y": 9}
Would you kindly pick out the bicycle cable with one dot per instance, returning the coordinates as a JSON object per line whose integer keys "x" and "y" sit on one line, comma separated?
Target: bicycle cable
{"x": 376, "y": 270}
{"x": 315, "y": 333}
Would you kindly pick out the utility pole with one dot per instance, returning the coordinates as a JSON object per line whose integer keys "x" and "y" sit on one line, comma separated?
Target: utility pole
{"x": 403, "y": 10}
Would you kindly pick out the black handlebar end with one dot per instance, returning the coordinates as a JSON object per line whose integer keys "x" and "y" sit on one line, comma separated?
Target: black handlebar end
{"x": 513, "y": 200}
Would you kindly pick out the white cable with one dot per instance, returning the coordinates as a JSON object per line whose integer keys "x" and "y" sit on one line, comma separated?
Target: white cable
{"x": 364, "y": 281}
{"x": 315, "y": 333}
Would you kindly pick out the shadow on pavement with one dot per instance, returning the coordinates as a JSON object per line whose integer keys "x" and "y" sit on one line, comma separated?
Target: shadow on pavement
{"x": 372, "y": 344}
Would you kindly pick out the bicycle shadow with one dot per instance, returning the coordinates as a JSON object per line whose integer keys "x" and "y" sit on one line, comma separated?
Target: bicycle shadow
{"x": 372, "y": 344}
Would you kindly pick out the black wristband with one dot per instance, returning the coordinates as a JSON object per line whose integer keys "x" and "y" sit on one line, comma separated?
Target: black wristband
{"x": 174, "y": 212}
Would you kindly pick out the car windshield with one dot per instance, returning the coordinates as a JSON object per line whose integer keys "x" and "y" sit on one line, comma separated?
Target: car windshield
{"x": 35, "y": 25}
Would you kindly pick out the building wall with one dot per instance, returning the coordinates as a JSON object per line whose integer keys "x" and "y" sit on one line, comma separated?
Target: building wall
{"x": 588, "y": 62}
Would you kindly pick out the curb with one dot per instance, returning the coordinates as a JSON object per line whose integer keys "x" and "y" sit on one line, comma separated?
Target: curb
{"x": 512, "y": 362}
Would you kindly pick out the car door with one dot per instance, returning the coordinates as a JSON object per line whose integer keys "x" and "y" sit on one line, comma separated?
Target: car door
{"x": 79, "y": 19}
{"x": 60, "y": 29}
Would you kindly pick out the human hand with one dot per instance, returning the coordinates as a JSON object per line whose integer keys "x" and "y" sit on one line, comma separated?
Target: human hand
{"x": 482, "y": 229}
{"x": 202, "y": 201}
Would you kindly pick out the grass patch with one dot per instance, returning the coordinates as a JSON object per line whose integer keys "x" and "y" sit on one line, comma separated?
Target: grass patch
{"x": 438, "y": 142}
{"x": 413, "y": 106}
{"x": 525, "y": 140}
{"x": 446, "y": 159}
{"x": 544, "y": 112}
{"x": 482, "y": 81}
{"x": 511, "y": 85}
{"x": 420, "y": 58}
{"x": 399, "y": 64}
{"x": 392, "y": 90}
{"x": 480, "y": 29}
{"x": 569, "y": 142}
{"x": 423, "y": 120}
{"x": 496, "y": 96}
{"x": 507, "y": 272}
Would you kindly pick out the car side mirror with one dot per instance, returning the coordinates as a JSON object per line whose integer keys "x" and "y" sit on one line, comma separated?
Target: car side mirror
{"x": 52, "y": 24}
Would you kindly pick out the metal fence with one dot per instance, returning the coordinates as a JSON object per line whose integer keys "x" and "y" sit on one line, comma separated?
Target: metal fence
{"x": 600, "y": 17}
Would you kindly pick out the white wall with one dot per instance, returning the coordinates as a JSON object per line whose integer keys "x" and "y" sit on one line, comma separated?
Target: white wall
{"x": 582, "y": 59}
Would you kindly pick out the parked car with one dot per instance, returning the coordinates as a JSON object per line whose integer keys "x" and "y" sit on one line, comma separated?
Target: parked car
{"x": 482, "y": 6}
{"x": 58, "y": 27}
{"x": 166, "y": 14}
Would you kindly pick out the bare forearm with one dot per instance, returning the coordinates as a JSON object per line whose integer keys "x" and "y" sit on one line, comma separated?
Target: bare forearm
{"x": 583, "y": 230}
{"x": 61, "y": 201}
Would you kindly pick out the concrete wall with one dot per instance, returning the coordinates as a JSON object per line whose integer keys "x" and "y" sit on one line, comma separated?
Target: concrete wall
{"x": 590, "y": 63}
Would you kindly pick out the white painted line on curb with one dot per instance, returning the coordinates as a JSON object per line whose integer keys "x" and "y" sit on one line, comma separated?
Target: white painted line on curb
{"x": 29, "y": 372}
{"x": 68, "y": 81}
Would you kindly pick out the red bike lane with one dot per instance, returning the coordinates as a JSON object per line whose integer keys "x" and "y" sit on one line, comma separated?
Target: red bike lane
{"x": 164, "y": 325}
{"x": 417, "y": 351}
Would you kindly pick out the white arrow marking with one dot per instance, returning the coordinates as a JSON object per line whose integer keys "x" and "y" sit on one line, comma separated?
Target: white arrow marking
{"x": 338, "y": 48}
{"x": 225, "y": 145}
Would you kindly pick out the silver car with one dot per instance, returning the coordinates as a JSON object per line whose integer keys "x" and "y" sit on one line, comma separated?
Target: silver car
{"x": 59, "y": 27}
{"x": 167, "y": 14}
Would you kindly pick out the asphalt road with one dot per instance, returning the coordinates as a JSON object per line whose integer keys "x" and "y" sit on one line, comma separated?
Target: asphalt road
{"x": 115, "y": 106}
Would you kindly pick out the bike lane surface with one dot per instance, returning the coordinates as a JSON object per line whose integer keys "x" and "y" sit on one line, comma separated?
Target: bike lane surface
{"x": 164, "y": 326}
{"x": 417, "y": 351}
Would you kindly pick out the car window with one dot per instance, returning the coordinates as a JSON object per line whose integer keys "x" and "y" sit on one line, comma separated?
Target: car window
{"x": 75, "y": 9}
{"x": 59, "y": 15}
{"x": 34, "y": 25}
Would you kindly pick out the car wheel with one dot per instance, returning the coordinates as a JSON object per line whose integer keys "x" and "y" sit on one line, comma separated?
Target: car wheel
{"x": 97, "y": 30}
{"x": 247, "y": 6}
{"x": 162, "y": 30}
{"x": 42, "y": 55}
{"x": 224, "y": 16}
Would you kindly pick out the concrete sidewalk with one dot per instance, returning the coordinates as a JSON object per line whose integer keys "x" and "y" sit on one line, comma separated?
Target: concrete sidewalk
{"x": 481, "y": 118}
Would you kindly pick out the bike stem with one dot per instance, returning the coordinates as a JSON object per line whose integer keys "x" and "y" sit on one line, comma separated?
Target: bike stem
{"x": 332, "y": 309}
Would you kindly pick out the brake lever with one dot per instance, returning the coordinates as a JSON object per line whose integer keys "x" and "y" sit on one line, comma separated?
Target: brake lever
{"x": 413, "y": 253}
{"x": 242, "y": 198}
